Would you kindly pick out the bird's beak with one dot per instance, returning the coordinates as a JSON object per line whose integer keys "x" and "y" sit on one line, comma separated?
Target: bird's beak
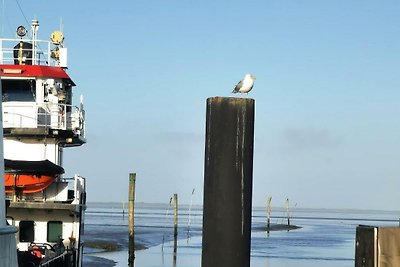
{"x": 254, "y": 77}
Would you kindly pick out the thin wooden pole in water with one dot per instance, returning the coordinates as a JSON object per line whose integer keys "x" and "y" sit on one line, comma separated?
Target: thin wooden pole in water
{"x": 175, "y": 215}
{"x": 123, "y": 209}
{"x": 175, "y": 228}
{"x": 269, "y": 213}
{"x": 288, "y": 212}
{"x": 190, "y": 208}
{"x": 131, "y": 199}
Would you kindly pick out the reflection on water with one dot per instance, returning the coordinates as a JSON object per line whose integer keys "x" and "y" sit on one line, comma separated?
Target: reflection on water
{"x": 326, "y": 238}
{"x": 175, "y": 250}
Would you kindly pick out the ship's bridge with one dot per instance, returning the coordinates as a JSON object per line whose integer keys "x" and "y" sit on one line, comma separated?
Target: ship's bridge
{"x": 37, "y": 91}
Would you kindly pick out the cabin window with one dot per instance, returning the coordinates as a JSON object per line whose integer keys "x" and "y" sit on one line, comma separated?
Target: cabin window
{"x": 54, "y": 231}
{"x": 26, "y": 231}
{"x": 18, "y": 90}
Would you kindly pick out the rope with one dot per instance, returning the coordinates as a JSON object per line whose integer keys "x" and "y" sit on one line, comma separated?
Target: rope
{"x": 22, "y": 12}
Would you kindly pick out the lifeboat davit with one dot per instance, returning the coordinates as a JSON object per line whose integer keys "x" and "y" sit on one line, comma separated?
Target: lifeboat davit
{"x": 29, "y": 176}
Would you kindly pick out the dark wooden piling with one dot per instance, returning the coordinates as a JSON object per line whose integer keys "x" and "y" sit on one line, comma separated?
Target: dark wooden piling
{"x": 131, "y": 199}
{"x": 377, "y": 246}
{"x": 228, "y": 179}
{"x": 365, "y": 246}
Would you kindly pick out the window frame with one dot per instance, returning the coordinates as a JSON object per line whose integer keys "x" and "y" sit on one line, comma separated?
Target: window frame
{"x": 24, "y": 235}
{"x": 60, "y": 233}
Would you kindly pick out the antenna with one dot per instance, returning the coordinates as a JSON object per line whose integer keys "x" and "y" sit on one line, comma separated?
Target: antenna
{"x": 61, "y": 25}
{"x": 35, "y": 28}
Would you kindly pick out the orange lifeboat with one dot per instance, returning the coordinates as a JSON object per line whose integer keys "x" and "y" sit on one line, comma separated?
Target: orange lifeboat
{"x": 29, "y": 176}
{"x": 27, "y": 183}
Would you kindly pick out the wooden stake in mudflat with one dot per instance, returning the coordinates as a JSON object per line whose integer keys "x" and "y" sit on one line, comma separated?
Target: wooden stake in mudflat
{"x": 288, "y": 212}
{"x": 269, "y": 213}
{"x": 190, "y": 208}
{"x": 175, "y": 215}
{"x": 175, "y": 228}
{"x": 131, "y": 200}
{"x": 228, "y": 182}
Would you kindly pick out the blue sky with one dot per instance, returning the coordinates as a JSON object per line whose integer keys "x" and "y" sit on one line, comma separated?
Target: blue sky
{"x": 327, "y": 130}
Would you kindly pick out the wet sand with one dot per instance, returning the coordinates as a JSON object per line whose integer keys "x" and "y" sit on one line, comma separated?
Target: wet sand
{"x": 189, "y": 255}
{"x": 95, "y": 261}
{"x": 325, "y": 239}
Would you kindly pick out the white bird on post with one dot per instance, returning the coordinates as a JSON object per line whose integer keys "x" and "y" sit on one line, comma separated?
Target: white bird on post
{"x": 245, "y": 85}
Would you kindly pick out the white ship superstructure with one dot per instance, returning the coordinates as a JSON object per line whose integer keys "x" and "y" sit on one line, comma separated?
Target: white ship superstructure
{"x": 39, "y": 122}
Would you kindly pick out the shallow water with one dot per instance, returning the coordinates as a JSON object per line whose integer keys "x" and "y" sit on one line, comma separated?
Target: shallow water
{"x": 326, "y": 237}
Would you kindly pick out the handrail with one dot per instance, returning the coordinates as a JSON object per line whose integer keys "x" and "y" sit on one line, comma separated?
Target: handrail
{"x": 44, "y": 52}
{"x": 43, "y": 115}
{"x": 77, "y": 184}
{"x": 51, "y": 260}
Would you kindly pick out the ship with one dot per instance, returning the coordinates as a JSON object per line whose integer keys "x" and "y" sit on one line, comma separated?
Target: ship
{"x": 40, "y": 121}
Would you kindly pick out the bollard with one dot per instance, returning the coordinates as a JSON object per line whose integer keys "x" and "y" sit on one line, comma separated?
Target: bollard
{"x": 228, "y": 178}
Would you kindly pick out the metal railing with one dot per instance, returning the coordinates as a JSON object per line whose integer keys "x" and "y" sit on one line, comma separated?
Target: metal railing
{"x": 79, "y": 190}
{"x": 69, "y": 190}
{"x": 44, "y": 115}
{"x": 42, "y": 54}
{"x": 64, "y": 259}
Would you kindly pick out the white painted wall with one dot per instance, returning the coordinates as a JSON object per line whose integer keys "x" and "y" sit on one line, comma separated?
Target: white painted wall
{"x": 41, "y": 218}
{"x": 31, "y": 150}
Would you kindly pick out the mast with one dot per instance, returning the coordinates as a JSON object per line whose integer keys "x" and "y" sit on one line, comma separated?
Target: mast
{"x": 35, "y": 28}
{"x": 7, "y": 233}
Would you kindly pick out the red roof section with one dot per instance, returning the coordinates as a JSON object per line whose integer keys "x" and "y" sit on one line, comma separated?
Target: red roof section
{"x": 33, "y": 71}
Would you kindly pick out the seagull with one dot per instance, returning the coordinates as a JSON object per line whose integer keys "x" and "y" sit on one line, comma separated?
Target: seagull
{"x": 245, "y": 85}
